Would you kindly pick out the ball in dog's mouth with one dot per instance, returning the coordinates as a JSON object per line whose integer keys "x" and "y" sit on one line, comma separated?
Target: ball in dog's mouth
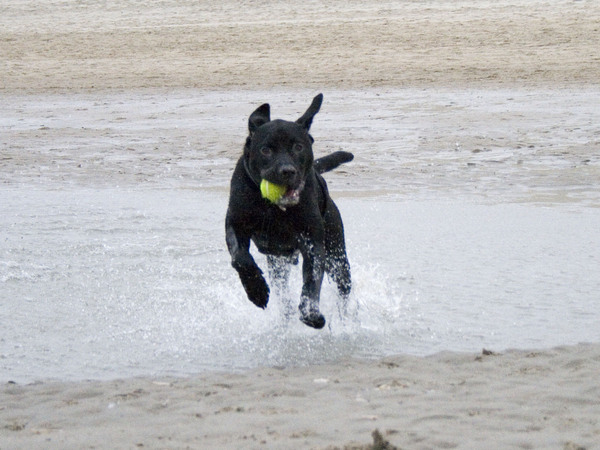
{"x": 271, "y": 191}
{"x": 280, "y": 195}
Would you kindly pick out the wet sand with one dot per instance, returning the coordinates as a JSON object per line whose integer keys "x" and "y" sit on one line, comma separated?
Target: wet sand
{"x": 62, "y": 53}
{"x": 528, "y": 145}
{"x": 518, "y": 399}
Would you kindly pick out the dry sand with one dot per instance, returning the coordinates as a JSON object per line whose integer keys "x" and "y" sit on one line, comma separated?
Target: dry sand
{"x": 521, "y": 399}
{"x": 57, "y": 45}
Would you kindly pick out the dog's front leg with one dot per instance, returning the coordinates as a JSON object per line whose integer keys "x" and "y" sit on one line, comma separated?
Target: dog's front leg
{"x": 250, "y": 274}
{"x": 312, "y": 272}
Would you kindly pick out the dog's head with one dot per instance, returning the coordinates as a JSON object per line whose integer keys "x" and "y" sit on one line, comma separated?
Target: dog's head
{"x": 280, "y": 151}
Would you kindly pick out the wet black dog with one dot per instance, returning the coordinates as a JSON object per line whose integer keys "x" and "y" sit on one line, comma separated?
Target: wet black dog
{"x": 304, "y": 220}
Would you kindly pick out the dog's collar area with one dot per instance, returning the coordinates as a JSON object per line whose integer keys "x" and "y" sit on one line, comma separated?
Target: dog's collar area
{"x": 247, "y": 169}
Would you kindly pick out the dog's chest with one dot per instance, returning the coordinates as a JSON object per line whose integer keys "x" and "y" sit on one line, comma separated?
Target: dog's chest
{"x": 276, "y": 235}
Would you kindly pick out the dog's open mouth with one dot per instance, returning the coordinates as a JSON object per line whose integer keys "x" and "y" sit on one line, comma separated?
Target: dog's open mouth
{"x": 291, "y": 197}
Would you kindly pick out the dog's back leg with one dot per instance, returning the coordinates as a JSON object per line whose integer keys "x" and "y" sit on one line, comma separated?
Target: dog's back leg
{"x": 339, "y": 271}
{"x": 279, "y": 274}
{"x": 338, "y": 268}
{"x": 337, "y": 265}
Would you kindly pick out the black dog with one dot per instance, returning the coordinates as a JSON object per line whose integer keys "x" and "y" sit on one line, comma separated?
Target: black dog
{"x": 304, "y": 220}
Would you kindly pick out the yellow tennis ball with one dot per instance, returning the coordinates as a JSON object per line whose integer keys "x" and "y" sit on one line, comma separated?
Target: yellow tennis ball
{"x": 271, "y": 191}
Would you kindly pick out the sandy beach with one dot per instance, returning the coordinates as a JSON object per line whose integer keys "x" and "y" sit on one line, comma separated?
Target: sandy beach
{"x": 51, "y": 45}
{"x": 74, "y": 73}
{"x": 518, "y": 399}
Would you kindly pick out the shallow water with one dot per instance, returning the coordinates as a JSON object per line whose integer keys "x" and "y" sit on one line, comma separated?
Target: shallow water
{"x": 105, "y": 283}
{"x": 112, "y": 266}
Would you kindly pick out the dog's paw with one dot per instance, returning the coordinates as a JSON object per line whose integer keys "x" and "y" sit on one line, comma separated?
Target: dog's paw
{"x": 258, "y": 293}
{"x": 310, "y": 315}
{"x": 257, "y": 290}
{"x": 313, "y": 320}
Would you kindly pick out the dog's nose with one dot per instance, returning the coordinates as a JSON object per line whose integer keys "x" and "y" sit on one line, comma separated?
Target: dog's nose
{"x": 287, "y": 171}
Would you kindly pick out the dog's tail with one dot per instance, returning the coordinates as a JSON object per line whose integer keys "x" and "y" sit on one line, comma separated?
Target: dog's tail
{"x": 330, "y": 162}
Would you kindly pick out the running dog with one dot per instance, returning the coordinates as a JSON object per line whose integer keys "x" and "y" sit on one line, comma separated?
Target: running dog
{"x": 304, "y": 220}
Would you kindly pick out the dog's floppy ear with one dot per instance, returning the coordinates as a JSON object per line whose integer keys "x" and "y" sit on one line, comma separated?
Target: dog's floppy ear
{"x": 313, "y": 109}
{"x": 260, "y": 116}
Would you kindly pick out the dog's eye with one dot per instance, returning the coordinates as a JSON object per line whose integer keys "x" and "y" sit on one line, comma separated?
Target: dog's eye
{"x": 266, "y": 151}
{"x": 298, "y": 147}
